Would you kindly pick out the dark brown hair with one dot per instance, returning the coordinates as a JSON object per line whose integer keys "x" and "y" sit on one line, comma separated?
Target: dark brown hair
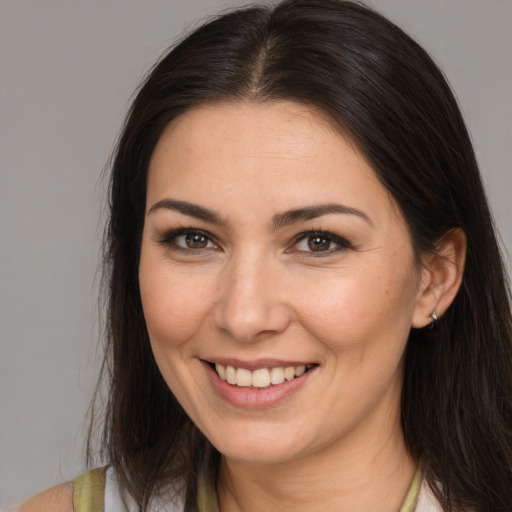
{"x": 384, "y": 92}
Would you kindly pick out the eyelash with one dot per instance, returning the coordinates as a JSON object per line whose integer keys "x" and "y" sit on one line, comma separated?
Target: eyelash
{"x": 169, "y": 240}
{"x": 341, "y": 243}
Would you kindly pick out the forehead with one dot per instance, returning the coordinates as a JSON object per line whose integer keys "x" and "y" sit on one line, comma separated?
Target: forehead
{"x": 281, "y": 152}
{"x": 233, "y": 125}
{"x": 287, "y": 131}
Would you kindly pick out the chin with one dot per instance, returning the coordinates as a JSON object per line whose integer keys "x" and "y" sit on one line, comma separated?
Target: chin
{"x": 269, "y": 447}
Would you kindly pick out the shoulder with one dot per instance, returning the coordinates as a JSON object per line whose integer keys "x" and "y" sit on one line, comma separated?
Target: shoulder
{"x": 56, "y": 499}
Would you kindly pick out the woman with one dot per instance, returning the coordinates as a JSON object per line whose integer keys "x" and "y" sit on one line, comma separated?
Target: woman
{"x": 307, "y": 304}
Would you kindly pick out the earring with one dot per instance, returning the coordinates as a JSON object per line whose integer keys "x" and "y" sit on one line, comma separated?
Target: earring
{"x": 434, "y": 317}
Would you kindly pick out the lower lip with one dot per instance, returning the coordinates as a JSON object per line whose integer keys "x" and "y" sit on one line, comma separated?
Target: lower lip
{"x": 255, "y": 397}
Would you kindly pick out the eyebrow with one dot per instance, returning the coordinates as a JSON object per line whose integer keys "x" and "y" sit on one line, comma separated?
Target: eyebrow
{"x": 190, "y": 209}
{"x": 279, "y": 220}
{"x": 311, "y": 212}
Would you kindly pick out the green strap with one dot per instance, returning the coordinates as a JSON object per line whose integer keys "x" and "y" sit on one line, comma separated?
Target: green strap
{"x": 206, "y": 496}
{"x": 89, "y": 491}
{"x": 409, "y": 504}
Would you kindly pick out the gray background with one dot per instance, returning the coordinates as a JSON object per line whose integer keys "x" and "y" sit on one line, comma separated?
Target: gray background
{"x": 67, "y": 71}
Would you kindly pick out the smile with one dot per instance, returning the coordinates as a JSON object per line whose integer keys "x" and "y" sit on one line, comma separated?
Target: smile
{"x": 266, "y": 384}
{"x": 259, "y": 378}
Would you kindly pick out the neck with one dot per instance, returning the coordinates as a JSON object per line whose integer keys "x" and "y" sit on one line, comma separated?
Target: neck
{"x": 349, "y": 474}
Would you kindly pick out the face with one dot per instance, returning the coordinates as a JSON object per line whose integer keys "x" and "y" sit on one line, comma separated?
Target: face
{"x": 278, "y": 281}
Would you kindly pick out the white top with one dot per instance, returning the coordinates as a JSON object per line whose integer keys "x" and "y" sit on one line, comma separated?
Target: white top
{"x": 427, "y": 502}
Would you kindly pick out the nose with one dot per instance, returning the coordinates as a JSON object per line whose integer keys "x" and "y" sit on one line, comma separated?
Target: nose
{"x": 251, "y": 304}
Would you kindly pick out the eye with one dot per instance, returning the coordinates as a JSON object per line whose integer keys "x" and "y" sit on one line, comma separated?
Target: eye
{"x": 320, "y": 242}
{"x": 188, "y": 240}
{"x": 316, "y": 243}
{"x": 192, "y": 241}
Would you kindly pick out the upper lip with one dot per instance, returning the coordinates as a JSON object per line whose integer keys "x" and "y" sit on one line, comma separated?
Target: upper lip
{"x": 256, "y": 364}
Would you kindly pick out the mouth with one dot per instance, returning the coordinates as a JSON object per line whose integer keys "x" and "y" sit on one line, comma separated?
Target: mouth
{"x": 259, "y": 378}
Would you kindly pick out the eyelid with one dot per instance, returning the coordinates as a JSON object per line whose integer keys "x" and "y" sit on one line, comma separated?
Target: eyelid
{"x": 341, "y": 242}
{"x": 169, "y": 236}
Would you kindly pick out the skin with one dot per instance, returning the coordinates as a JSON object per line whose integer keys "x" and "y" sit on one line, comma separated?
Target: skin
{"x": 253, "y": 289}
{"x": 56, "y": 499}
{"x": 254, "y": 292}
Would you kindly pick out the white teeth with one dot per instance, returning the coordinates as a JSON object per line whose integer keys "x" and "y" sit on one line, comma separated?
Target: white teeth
{"x": 277, "y": 376}
{"x": 299, "y": 370}
{"x": 289, "y": 373}
{"x": 244, "y": 377}
{"x": 231, "y": 374}
{"x": 261, "y": 378}
{"x": 221, "y": 371}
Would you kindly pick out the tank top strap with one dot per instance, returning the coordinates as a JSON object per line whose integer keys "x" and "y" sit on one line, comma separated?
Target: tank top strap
{"x": 411, "y": 499}
{"x": 89, "y": 491}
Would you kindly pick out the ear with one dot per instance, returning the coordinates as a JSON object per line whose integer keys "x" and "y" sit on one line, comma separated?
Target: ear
{"x": 441, "y": 277}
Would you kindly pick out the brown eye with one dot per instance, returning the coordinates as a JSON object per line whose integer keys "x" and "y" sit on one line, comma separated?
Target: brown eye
{"x": 319, "y": 243}
{"x": 184, "y": 239}
{"x": 196, "y": 241}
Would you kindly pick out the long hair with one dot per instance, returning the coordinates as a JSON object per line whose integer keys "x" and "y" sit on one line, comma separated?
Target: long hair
{"x": 385, "y": 93}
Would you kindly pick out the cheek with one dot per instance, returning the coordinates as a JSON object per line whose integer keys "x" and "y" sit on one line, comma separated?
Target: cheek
{"x": 359, "y": 305}
{"x": 174, "y": 306}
